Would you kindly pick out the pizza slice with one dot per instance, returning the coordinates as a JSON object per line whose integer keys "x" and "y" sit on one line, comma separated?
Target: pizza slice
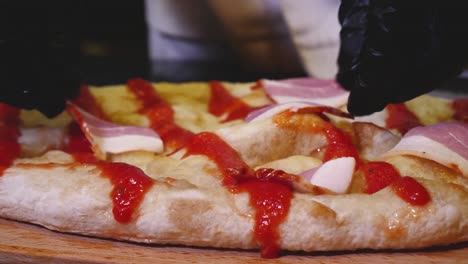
{"x": 238, "y": 166}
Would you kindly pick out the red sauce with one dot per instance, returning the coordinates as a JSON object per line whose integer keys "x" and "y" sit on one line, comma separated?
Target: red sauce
{"x": 10, "y": 149}
{"x": 130, "y": 185}
{"x": 77, "y": 142}
{"x": 269, "y": 190}
{"x": 381, "y": 174}
{"x": 411, "y": 191}
{"x": 87, "y": 101}
{"x": 9, "y": 114}
{"x": 160, "y": 114}
{"x": 258, "y": 85}
{"x": 221, "y": 102}
{"x": 378, "y": 175}
{"x": 78, "y": 145}
{"x": 339, "y": 143}
{"x": 401, "y": 119}
{"x": 226, "y": 158}
{"x": 460, "y": 106}
{"x": 271, "y": 199}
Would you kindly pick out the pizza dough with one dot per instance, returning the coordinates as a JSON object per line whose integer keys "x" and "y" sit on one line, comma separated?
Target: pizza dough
{"x": 188, "y": 201}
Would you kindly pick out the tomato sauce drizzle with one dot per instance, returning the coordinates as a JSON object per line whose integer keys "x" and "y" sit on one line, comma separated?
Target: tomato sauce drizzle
{"x": 258, "y": 85}
{"x": 222, "y": 102}
{"x": 270, "y": 192}
{"x": 130, "y": 183}
{"x": 226, "y": 158}
{"x": 10, "y": 149}
{"x": 339, "y": 143}
{"x": 271, "y": 199}
{"x": 378, "y": 175}
{"x": 460, "y": 106}
{"x": 78, "y": 145}
{"x": 87, "y": 101}
{"x": 77, "y": 142}
{"x": 160, "y": 114}
{"x": 411, "y": 191}
{"x": 401, "y": 118}
{"x": 130, "y": 186}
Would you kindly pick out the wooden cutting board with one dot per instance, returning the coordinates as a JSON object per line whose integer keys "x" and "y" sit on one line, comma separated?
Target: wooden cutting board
{"x": 25, "y": 243}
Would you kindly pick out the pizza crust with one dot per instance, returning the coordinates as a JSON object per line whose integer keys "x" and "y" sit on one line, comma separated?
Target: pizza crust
{"x": 189, "y": 206}
{"x": 76, "y": 199}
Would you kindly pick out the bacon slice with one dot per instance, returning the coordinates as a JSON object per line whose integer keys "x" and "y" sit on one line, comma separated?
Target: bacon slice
{"x": 108, "y": 137}
{"x": 445, "y": 143}
{"x": 326, "y": 92}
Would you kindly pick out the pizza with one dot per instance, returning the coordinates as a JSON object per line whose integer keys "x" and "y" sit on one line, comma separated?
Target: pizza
{"x": 274, "y": 165}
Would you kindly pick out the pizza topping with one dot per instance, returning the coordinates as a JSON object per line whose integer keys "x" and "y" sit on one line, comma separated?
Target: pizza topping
{"x": 270, "y": 190}
{"x": 107, "y": 137}
{"x": 339, "y": 144}
{"x": 452, "y": 135}
{"x": 299, "y": 106}
{"x": 130, "y": 185}
{"x": 461, "y": 110}
{"x": 335, "y": 175}
{"x": 87, "y": 101}
{"x": 411, "y": 191}
{"x": 222, "y": 102}
{"x": 226, "y": 158}
{"x": 271, "y": 200}
{"x": 160, "y": 114}
{"x": 378, "y": 175}
{"x": 35, "y": 141}
{"x": 445, "y": 143}
{"x": 10, "y": 149}
{"x": 77, "y": 142}
{"x": 326, "y": 92}
{"x": 401, "y": 119}
{"x": 79, "y": 146}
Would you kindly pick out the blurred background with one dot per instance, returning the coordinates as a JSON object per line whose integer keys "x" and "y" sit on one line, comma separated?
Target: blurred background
{"x": 187, "y": 40}
{"x": 113, "y": 41}
{"x": 171, "y": 40}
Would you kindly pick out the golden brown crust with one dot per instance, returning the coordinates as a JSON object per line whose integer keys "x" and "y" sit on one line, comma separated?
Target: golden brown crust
{"x": 188, "y": 204}
{"x": 76, "y": 199}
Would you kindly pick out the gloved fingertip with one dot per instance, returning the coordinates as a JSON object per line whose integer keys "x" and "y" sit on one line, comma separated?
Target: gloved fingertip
{"x": 52, "y": 110}
{"x": 361, "y": 105}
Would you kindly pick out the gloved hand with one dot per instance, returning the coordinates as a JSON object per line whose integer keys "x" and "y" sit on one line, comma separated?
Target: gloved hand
{"x": 39, "y": 54}
{"x": 394, "y": 50}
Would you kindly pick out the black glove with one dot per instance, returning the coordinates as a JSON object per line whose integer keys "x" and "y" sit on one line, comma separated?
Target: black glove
{"x": 394, "y": 50}
{"x": 39, "y": 54}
